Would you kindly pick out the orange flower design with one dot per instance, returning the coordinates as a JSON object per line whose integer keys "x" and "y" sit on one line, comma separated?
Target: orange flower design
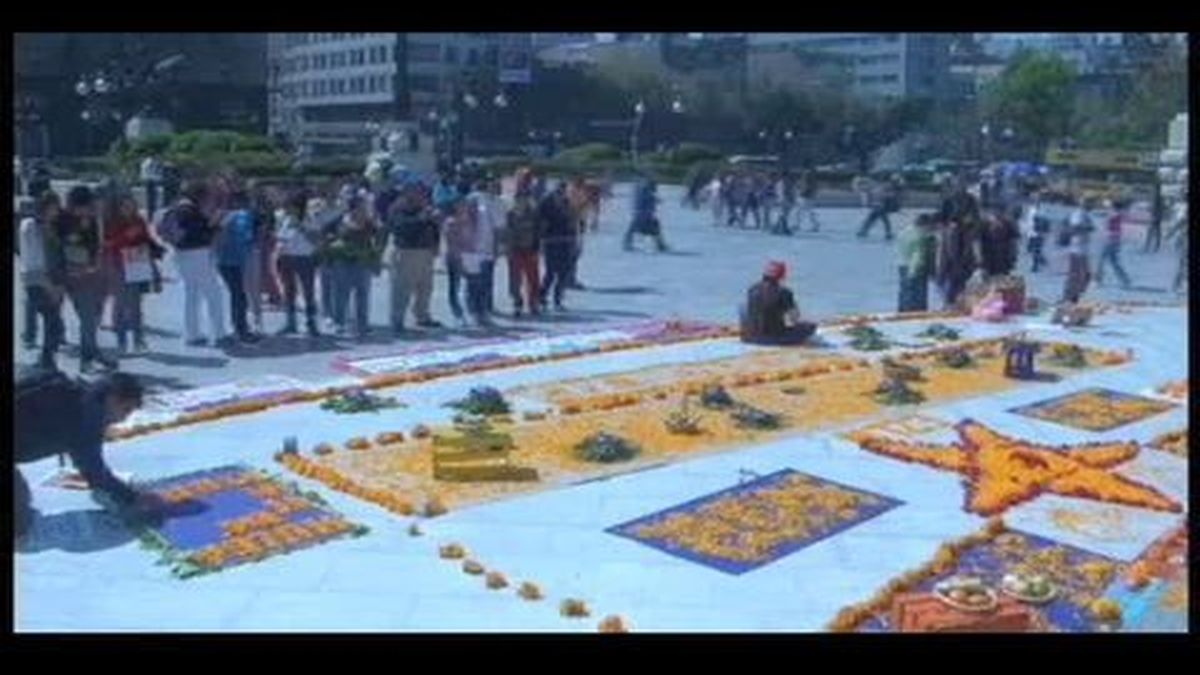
{"x": 1003, "y": 471}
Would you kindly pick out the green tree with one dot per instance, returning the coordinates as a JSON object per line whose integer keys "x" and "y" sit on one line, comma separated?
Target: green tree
{"x": 1034, "y": 96}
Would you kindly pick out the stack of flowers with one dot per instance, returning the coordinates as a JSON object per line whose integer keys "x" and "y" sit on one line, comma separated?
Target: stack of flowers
{"x": 483, "y": 401}
{"x": 606, "y": 448}
{"x": 1068, "y": 355}
{"x": 939, "y": 331}
{"x": 749, "y": 417}
{"x": 867, "y": 338}
{"x": 574, "y": 609}
{"x": 1174, "y": 442}
{"x": 357, "y": 401}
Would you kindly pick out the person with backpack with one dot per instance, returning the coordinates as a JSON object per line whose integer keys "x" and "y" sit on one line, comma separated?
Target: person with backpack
{"x": 43, "y": 273}
{"x": 188, "y": 228}
{"x": 133, "y": 252}
{"x": 78, "y": 231}
{"x": 235, "y": 251}
{"x": 412, "y": 224}
{"x": 57, "y": 415}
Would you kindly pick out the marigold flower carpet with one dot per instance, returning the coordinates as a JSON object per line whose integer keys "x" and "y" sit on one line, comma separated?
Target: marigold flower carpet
{"x": 795, "y": 498}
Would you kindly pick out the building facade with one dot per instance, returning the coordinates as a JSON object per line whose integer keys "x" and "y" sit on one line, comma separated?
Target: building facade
{"x": 880, "y": 65}
{"x": 335, "y": 88}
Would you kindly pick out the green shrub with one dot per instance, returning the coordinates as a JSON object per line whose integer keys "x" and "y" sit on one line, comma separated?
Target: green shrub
{"x": 690, "y": 153}
{"x": 590, "y": 152}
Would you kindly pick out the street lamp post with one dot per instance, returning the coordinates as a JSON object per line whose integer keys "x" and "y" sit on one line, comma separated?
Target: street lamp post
{"x": 639, "y": 111}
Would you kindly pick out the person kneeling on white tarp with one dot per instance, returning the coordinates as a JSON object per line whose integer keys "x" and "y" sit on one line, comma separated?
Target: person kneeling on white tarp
{"x": 55, "y": 415}
{"x": 771, "y": 316}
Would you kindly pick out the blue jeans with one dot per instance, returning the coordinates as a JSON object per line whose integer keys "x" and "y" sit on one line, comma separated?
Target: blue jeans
{"x": 351, "y": 278}
{"x": 1110, "y": 254}
{"x": 87, "y": 297}
{"x": 455, "y": 276}
{"x": 914, "y": 291}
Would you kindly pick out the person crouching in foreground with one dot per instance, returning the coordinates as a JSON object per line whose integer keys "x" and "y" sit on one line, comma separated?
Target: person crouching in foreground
{"x": 53, "y": 415}
{"x": 771, "y": 316}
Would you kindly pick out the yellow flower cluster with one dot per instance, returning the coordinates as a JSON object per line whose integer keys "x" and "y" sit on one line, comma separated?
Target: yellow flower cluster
{"x": 750, "y": 527}
{"x": 1174, "y": 442}
{"x": 1094, "y": 411}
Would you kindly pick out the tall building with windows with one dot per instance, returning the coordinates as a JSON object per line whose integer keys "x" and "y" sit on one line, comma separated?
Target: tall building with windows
{"x": 332, "y": 88}
{"x": 879, "y": 65}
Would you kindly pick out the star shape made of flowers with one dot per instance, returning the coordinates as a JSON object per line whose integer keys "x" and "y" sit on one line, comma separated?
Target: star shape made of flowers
{"x": 1003, "y": 471}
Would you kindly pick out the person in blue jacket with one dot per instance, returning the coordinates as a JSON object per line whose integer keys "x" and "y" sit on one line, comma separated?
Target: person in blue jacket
{"x": 234, "y": 248}
{"x": 54, "y": 414}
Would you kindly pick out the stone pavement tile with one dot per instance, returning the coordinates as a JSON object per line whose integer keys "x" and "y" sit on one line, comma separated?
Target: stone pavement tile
{"x": 326, "y": 611}
{"x": 1113, "y": 530}
{"x": 131, "y": 604}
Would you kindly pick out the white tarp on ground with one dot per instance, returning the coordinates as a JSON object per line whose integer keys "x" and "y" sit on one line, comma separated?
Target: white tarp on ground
{"x": 168, "y": 406}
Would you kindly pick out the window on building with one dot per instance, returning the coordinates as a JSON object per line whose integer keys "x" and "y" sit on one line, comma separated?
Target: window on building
{"x": 423, "y": 53}
{"x": 427, "y": 83}
{"x": 491, "y": 56}
{"x": 451, "y": 55}
{"x": 473, "y": 57}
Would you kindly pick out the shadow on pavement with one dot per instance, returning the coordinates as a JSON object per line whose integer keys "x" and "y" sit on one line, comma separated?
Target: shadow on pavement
{"x": 75, "y": 532}
{"x": 622, "y": 290}
{"x": 182, "y": 360}
{"x": 276, "y": 346}
{"x": 158, "y": 383}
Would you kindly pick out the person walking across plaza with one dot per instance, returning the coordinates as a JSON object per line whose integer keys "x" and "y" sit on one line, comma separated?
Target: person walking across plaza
{"x": 134, "y": 253}
{"x": 645, "y": 216}
{"x": 298, "y": 237}
{"x": 558, "y": 243}
{"x": 886, "y": 202}
{"x": 236, "y": 250}
{"x": 578, "y": 198}
{"x": 807, "y": 189}
{"x": 1110, "y": 254}
{"x": 1079, "y": 251}
{"x": 188, "y": 228}
{"x": 522, "y": 242}
{"x": 1158, "y": 207}
{"x": 916, "y": 247}
{"x": 788, "y": 196}
{"x": 43, "y": 273}
{"x": 415, "y": 234}
{"x": 79, "y": 233}
{"x": 1179, "y": 232}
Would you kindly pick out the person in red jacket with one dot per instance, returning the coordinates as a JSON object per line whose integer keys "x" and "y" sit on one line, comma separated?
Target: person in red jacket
{"x": 132, "y": 252}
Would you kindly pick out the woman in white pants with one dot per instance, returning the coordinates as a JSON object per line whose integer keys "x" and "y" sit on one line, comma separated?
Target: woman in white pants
{"x": 192, "y": 233}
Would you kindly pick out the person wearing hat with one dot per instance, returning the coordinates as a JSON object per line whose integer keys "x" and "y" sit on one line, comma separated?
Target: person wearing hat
{"x": 771, "y": 316}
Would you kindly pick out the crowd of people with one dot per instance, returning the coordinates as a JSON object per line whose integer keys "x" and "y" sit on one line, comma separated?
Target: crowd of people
{"x": 758, "y": 199}
{"x": 240, "y": 247}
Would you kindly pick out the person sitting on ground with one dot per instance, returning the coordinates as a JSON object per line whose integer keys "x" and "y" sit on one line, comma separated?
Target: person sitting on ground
{"x": 771, "y": 316}
{"x": 54, "y": 415}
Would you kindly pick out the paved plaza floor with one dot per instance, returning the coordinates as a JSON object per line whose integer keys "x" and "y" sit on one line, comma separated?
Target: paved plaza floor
{"x": 584, "y": 537}
{"x": 704, "y": 277}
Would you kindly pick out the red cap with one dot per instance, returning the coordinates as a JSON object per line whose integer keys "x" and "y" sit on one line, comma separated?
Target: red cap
{"x": 776, "y": 270}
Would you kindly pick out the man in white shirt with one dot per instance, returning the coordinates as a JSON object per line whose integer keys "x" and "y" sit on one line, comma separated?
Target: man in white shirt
{"x": 42, "y": 273}
{"x": 493, "y": 214}
{"x": 152, "y": 177}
